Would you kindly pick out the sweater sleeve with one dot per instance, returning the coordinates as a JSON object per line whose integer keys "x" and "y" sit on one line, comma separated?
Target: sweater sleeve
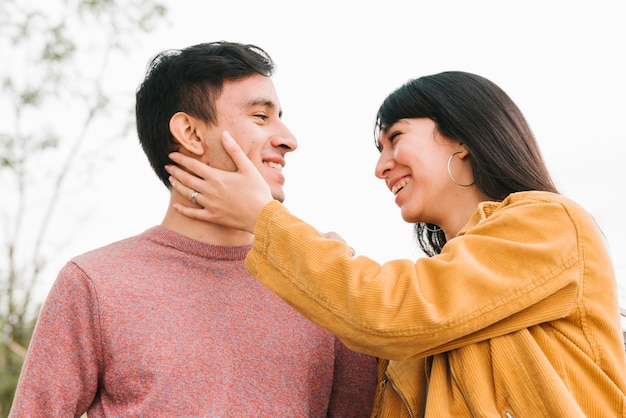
{"x": 354, "y": 383}
{"x": 513, "y": 269}
{"x": 60, "y": 373}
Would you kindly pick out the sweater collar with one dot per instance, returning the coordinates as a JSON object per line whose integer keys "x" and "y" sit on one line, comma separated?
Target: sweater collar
{"x": 169, "y": 238}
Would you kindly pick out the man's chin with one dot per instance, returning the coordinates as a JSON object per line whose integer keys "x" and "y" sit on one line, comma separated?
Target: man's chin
{"x": 278, "y": 195}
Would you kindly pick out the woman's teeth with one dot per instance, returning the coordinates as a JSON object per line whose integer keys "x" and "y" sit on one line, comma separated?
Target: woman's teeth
{"x": 398, "y": 186}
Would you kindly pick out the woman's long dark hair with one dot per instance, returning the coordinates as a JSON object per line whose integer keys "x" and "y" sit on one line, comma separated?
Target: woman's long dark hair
{"x": 476, "y": 112}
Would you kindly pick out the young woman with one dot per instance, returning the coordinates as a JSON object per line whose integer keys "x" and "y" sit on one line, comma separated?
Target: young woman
{"x": 515, "y": 312}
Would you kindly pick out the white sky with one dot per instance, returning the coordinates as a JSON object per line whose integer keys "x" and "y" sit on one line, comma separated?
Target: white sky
{"x": 561, "y": 61}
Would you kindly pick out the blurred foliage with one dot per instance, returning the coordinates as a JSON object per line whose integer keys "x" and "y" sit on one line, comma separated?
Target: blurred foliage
{"x": 54, "y": 93}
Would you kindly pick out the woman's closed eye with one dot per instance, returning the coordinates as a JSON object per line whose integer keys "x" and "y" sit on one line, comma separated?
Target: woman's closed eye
{"x": 393, "y": 136}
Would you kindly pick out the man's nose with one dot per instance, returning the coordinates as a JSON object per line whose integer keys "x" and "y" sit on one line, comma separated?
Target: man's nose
{"x": 285, "y": 139}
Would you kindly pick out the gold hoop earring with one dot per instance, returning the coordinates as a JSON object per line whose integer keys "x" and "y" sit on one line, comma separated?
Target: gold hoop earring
{"x": 450, "y": 172}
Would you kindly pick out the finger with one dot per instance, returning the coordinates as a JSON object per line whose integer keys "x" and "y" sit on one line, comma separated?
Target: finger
{"x": 195, "y": 213}
{"x": 333, "y": 235}
{"x": 185, "y": 180}
{"x": 233, "y": 149}
{"x": 185, "y": 191}
{"x": 193, "y": 165}
{"x": 337, "y": 237}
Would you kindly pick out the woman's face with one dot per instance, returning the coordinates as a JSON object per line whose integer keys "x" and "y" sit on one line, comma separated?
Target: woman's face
{"x": 414, "y": 164}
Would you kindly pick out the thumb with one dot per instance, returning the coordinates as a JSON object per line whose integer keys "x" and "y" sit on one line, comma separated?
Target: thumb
{"x": 246, "y": 168}
{"x": 235, "y": 152}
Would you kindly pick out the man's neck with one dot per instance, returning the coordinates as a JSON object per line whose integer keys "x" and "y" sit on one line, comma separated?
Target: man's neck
{"x": 203, "y": 231}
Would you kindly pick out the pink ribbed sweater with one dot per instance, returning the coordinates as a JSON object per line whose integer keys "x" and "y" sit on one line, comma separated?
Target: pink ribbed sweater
{"x": 162, "y": 325}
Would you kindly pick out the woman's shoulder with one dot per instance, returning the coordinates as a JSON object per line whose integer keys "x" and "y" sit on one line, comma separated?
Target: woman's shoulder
{"x": 531, "y": 209}
{"x": 536, "y": 197}
{"x": 552, "y": 207}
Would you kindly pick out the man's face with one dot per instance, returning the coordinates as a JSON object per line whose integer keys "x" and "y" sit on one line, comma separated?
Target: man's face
{"x": 249, "y": 109}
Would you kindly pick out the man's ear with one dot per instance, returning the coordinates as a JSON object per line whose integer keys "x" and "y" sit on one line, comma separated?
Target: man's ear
{"x": 184, "y": 129}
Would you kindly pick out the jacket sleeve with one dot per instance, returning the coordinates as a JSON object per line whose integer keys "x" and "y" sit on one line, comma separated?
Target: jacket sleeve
{"x": 354, "y": 383}
{"x": 60, "y": 372}
{"x": 512, "y": 269}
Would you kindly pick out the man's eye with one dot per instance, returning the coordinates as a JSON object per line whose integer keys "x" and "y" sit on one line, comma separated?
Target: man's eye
{"x": 261, "y": 116}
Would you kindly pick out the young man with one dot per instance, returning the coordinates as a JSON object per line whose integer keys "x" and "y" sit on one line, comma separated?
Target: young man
{"x": 169, "y": 323}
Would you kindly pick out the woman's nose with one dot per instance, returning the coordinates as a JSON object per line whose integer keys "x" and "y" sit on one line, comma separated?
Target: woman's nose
{"x": 383, "y": 166}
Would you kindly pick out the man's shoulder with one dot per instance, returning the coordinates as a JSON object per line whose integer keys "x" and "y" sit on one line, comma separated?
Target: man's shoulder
{"x": 121, "y": 254}
{"x": 120, "y": 245}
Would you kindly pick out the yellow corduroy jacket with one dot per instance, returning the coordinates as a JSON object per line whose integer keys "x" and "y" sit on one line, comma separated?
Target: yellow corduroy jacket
{"x": 517, "y": 317}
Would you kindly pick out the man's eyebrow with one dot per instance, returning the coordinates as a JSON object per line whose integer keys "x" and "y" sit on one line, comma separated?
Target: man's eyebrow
{"x": 265, "y": 103}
